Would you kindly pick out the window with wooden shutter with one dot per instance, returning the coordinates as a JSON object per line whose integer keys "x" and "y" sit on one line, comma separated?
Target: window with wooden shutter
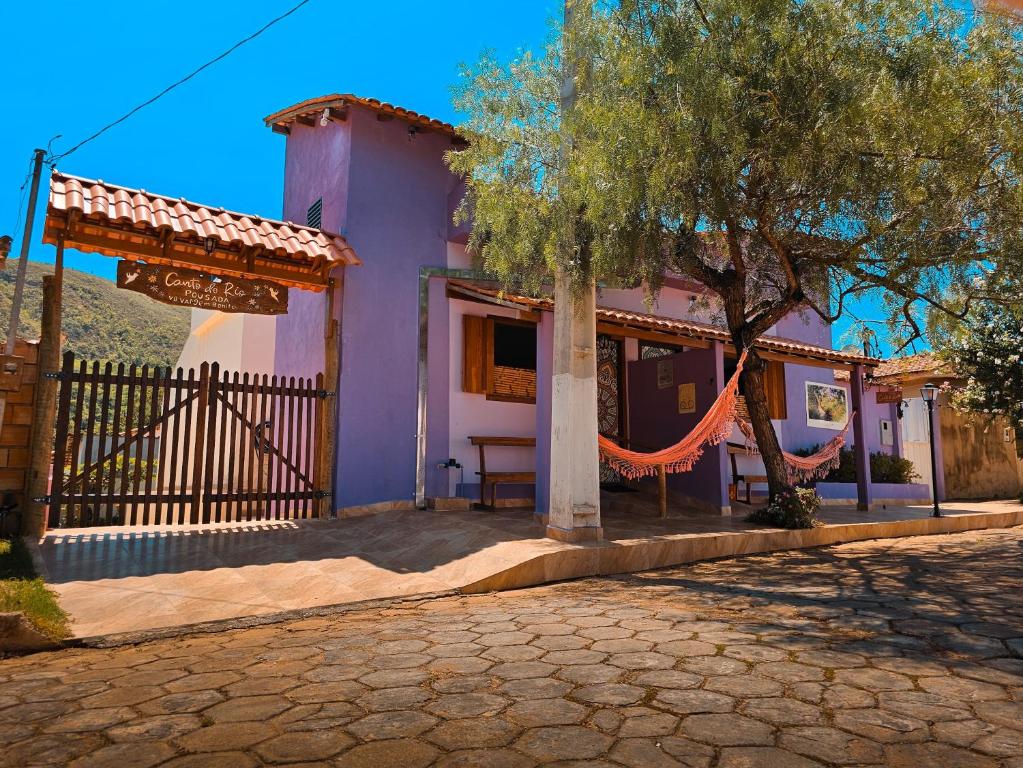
{"x": 499, "y": 358}
{"x": 511, "y": 372}
{"x": 774, "y": 386}
{"x": 474, "y": 354}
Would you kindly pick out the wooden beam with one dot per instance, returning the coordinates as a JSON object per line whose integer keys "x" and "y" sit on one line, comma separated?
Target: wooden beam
{"x": 281, "y": 129}
{"x": 137, "y": 245}
{"x": 306, "y": 120}
{"x": 672, "y": 339}
{"x": 328, "y": 412}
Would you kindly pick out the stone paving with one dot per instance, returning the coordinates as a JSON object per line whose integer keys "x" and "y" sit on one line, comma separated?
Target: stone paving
{"x": 900, "y": 652}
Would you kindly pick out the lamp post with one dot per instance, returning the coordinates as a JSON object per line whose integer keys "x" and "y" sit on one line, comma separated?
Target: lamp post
{"x": 929, "y": 392}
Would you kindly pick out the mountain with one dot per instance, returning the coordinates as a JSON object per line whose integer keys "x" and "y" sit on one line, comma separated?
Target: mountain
{"x": 101, "y": 321}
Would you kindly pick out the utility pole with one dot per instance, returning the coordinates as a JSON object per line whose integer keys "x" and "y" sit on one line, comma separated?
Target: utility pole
{"x": 19, "y": 284}
{"x": 26, "y": 242}
{"x": 574, "y": 505}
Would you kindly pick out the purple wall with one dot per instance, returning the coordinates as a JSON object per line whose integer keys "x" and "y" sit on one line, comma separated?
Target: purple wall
{"x": 316, "y": 165}
{"x": 655, "y": 423}
{"x": 795, "y": 434}
{"x": 439, "y": 385}
{"x": 396, "y": 222}
{"x": 544, "y": 399}
{"x": 910, "y": 492}
{"x": 805, "y": 326}
{"x": 389, "y": 196}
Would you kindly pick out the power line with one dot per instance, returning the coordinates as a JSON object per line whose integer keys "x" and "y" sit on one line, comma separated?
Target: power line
{"x": 53, "y": 159}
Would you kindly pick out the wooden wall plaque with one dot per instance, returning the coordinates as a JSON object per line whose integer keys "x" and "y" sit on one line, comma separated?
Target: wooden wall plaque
{"x": 889, "y": 396}
{"x": 189, "y": 288}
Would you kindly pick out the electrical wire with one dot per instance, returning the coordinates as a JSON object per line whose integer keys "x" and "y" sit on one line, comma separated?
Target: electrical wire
{"x": 23, "y": 194}
{"x": 52, "y": 160}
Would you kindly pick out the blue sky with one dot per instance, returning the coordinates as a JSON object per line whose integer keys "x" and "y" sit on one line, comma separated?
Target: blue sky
{"x": 81, "y": 65}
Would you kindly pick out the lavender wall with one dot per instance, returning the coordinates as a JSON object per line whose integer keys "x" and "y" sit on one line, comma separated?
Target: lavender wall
{"x": 316, "y": 165}
{"x": 655, "y": 423}
{"x": 397, "y": 222}
{"x": 544, "y": 399}
{"x": 795, "y": 432}
{"x": 908, "y": 492}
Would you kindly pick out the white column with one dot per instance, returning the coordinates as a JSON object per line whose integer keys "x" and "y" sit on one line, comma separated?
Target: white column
{"x": 574, "y": 506}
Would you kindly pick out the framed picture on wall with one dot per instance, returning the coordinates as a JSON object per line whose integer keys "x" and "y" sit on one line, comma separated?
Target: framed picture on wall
{"x": 827, "y": 406}
{"x": 665, "y": 373}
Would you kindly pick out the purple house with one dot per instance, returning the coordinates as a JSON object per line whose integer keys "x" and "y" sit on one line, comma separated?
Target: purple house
{"x": 432, "y": 354}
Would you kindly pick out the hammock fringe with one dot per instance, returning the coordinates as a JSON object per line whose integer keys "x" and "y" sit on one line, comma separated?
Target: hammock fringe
{"x": 713, "y": 429}
{"x": 802, "y": 469}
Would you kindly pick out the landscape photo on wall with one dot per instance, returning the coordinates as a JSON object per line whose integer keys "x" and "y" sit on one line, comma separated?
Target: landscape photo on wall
{"x": 827, "y": 406}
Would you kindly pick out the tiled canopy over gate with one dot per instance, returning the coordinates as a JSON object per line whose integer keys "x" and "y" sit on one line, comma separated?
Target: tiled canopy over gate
{"x": 96, "y": 217}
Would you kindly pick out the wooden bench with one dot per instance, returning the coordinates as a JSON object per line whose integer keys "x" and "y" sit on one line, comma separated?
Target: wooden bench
{"x": 493, "y": 479}
{"x": 733, "y": 490}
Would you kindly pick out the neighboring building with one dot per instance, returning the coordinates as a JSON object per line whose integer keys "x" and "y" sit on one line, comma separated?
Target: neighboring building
{"x": 977, "y": 454}
{"x": 432, "y": 354}
{"x": 237, "y": 342}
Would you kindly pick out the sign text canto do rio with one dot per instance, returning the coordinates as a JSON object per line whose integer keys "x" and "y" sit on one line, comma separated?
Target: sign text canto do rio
{"x": 189, "y": 288}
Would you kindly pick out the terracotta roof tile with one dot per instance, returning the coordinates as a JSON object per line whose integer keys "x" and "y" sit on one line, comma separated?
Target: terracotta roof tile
{"x": 97, "y": 200}
{"x": 338, "y": 101}
{"x": 680, "y": 327}
{"x": 912, "y": 365}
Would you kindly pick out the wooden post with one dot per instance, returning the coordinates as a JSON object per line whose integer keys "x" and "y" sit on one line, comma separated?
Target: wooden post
{"x": 861, "y": 453}
{"x": 199, "y": 444}
{"x": 327, "y": 428}
{"x": 662, "y": 489}
{"x": 45, "y": 401}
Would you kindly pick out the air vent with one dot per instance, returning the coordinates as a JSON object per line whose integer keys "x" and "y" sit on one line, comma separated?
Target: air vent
{"x": 314, "y": 216}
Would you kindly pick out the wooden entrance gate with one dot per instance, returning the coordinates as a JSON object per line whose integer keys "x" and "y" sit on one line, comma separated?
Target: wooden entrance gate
{"x": 147, "y": 446}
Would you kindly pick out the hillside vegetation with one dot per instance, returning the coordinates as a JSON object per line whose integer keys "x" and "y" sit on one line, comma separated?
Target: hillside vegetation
{"x": 101, "y": 321}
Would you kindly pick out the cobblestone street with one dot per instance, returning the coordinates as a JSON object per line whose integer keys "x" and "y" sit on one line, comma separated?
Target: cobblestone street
{"x": 903, "y": 652}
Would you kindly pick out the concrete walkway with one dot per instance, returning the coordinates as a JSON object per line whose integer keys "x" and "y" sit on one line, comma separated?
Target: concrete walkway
{"x": 901, "y": 652}
{"x": 126, "y": 580}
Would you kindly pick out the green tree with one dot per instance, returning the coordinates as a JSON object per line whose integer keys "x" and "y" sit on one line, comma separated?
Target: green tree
{"x": 986, "y": 351}
{"x": 788, "y": 154}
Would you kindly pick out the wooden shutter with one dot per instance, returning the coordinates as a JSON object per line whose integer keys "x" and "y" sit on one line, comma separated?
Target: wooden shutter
{"x": 474, "y": 357}
{"x": 774, "y": 384}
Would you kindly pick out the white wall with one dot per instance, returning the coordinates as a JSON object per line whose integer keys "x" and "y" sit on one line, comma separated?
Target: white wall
{"x": 472, "y": 414}
{"x": 243, "y": 343}
{"x": 915, "y": 440}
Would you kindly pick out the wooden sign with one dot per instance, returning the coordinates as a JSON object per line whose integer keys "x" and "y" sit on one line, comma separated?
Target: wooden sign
{"x": 189, "y": 288}
{"x": 889, "y": 396}
{"x": 687, "y": 398}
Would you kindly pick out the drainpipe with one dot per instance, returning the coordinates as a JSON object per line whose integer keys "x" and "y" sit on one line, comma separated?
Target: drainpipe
{"x": 425, "y": 273}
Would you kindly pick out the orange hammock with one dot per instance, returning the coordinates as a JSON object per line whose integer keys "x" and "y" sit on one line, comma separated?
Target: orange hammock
{"x": 713, "y": 428}
{"x": 802, "y": 469}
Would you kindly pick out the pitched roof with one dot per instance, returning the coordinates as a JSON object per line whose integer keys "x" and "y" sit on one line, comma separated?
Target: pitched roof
{"x": 336, "y": 103}
{"x": 684, "y": 328}
{"x": 911, "y": 366}
{"x": 113, "y": 212}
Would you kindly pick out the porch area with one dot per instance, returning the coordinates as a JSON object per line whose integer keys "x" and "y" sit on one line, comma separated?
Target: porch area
{"x": 120, "y": 581}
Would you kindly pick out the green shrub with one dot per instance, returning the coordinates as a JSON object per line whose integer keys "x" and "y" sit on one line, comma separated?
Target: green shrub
{"x": 24, "y": 592}
{"x": 884, "y": 468}
{"x": 796, "y": 508}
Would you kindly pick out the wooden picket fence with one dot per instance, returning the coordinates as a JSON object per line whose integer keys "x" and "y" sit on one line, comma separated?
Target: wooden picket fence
{"x": 142, "y": 445}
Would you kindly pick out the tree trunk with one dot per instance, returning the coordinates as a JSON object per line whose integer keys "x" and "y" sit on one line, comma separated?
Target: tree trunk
{"x": 743, "y": 335}
{"x": 760, "y": 419}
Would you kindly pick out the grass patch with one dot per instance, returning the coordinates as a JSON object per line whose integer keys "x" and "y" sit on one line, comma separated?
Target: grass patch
{"x": 22, "y": 590}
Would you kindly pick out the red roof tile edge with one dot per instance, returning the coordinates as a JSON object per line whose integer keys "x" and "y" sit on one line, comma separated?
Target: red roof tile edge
{"x": 339, "y": 100}
{"x": 775, "y": 343}
{"x": 97, "y": 198}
